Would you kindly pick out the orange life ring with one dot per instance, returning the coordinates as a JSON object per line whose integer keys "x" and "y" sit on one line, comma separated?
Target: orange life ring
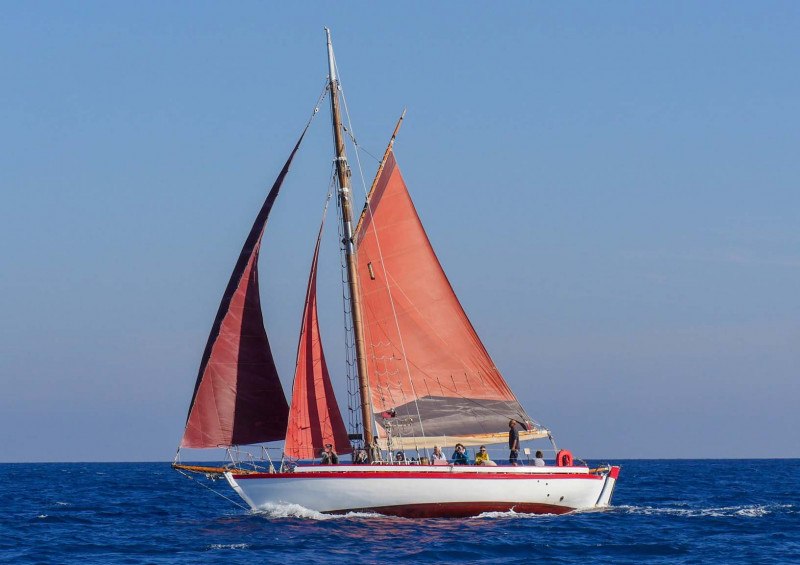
{"x": 564, "y": 458}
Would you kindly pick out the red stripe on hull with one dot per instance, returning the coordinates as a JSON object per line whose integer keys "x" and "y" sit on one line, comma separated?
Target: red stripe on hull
{"x": 412, "y": 475}
{"x": 459, "y": 509}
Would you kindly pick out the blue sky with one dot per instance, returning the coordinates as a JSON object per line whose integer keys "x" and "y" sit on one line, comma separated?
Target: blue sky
{"x": 612, "y": 190}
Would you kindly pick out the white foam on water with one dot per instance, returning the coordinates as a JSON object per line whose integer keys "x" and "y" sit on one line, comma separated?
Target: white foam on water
{"x": 42, "y": 516}
{"x": 509, "y": 514}
{"x": 595, "y": 510}
{"x": 753, "y": 512}
{"x": 229, "y": 546}
{"x": 63, "y": 503}
{"x": 748, "y": 511}
{"x": 297, "y": 511}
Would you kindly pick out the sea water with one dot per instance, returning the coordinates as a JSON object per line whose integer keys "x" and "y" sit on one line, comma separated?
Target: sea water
{"x": 668, "y": 511}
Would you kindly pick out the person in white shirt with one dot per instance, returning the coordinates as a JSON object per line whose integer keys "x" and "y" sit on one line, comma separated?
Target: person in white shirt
{"x": 437, "y": 454}
{"x": 539, "y": 460}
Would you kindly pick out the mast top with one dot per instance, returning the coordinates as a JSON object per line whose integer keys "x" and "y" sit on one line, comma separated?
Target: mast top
{"x": 331, "y": 67}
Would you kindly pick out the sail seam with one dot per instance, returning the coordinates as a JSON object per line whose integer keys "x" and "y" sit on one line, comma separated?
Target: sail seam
{"x": 251, "y": 248}
{"x": 304, "y": 325}
{"x": 383, "y": 266}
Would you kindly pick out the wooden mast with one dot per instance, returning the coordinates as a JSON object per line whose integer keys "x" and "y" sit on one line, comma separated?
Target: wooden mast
{"x": 346, "y": 204}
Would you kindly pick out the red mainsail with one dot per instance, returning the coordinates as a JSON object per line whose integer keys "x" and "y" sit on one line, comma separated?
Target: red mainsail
{"x": 314, "y": 416}
{"x": 425, "y": 360}
{"x": 238, "y": 398}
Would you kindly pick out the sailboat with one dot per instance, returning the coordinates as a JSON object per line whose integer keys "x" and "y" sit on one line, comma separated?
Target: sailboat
{"x": 418, "y": 377}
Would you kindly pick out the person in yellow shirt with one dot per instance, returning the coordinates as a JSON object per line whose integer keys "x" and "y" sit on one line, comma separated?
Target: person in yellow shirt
{"x": 482, "y": 458}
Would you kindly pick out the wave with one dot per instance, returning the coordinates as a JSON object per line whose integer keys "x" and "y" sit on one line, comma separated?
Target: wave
{"x": 229, "y": 546}
{"x": 748, "y": 511}
{"x": 509, "y": 514}
{"x": 286, "y": 510}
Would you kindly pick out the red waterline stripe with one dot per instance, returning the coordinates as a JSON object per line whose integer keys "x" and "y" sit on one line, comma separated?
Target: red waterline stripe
{"x": 459, "y": 509}
{"x": 413, "y": 475}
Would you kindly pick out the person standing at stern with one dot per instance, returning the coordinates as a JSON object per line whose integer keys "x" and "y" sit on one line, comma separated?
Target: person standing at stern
{"x": 513, "y": 442}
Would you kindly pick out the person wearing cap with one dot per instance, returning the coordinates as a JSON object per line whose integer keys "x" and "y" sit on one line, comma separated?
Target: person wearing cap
{"x": 329, "y": 456}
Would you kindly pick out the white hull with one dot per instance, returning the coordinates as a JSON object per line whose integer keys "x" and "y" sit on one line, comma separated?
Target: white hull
{"x": 429, "y": 491}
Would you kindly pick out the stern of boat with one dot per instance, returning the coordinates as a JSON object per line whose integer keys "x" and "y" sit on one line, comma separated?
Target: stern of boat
{"x": 609, "y": 483}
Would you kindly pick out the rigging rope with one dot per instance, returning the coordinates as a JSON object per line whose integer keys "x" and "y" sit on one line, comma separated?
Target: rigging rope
{"x": 308, "y": 123}
{"x": 444, "y": 344}
{"x": 319, "y": 103}
{"x": 212, "y": 490}
{"x": 303, "y": 324}
{"x": 353, "y": 396}
{"x": 350, "y": 135}
{"x": 383, "y": 267}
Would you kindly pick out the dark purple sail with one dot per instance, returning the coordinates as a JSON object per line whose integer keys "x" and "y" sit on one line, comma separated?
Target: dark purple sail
{"x": 238, "y": 398}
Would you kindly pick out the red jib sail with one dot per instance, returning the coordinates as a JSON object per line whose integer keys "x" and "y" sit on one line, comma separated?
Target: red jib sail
{"x": 238, "y": 398}
{"x": 425, "y": 360}
{"x": 314, "y": 417}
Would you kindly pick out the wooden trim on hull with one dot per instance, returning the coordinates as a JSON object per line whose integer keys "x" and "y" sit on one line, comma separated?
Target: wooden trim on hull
{"x": 214, "y": 470}
{"x": 200, "y": 469}
{"x": 458, "y": 509}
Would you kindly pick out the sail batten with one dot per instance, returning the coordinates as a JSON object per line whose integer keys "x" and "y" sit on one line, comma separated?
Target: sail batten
{"x": 238, "y": 398}
{"x": 427, "y": 367}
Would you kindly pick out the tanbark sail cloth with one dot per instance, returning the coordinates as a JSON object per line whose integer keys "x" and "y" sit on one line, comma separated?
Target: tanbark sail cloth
{"x": 429, "y": 364}
{"x": 314, "y": 416}
{"x": 238, "y": 398}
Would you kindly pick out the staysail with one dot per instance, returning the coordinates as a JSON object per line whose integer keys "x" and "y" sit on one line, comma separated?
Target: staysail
{"x": 429, "y": 373}
{"x": 238, "y": 398}
{"x": 314, "y": 416}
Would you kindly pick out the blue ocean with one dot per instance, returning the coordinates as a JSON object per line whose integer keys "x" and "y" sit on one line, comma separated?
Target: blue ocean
{"x": 665, "y": 511}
